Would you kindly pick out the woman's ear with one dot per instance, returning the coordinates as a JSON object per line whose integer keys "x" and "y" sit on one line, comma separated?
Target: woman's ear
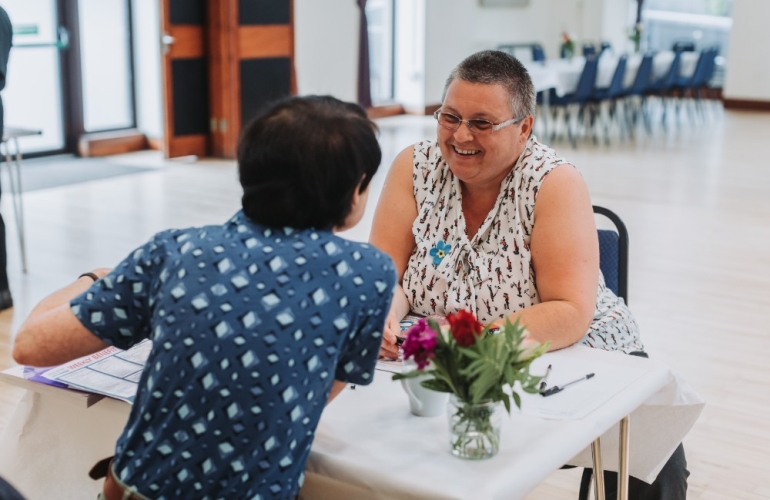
{"x": 526, "y": 128}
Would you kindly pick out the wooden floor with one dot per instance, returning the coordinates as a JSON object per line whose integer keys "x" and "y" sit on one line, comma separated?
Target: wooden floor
{"x": 696, "y": 200}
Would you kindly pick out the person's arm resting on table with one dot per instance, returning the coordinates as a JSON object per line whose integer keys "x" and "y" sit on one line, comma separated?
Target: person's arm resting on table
{"x": 52, "y": 334}
{"x": 392, "y": 233}
{"x": 565, "y": 255}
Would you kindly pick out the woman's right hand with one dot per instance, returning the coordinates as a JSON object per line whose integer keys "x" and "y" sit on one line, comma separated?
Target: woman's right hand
{"x": 389, "y": 348}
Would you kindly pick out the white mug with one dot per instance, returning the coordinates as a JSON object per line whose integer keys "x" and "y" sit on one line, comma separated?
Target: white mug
{"x": 423, "y": 402}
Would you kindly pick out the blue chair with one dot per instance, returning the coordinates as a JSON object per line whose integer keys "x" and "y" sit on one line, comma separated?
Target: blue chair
{"x": 611, "y": 94}
{"x": 604, "y": 46}
{"x": 538, "y": 54}
{"x": 613, "y": 253}
{"x": 637, "y": 91}
{"x": 683, "y": 46}
{"x": 589, "y": 50}
{"x": 581, "y": 97}
{"x": 662, "y": 88}
{"x": 693, "y": 84}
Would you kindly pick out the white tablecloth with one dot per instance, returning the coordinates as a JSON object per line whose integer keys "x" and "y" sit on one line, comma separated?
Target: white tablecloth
{"x": 368, "y": 445}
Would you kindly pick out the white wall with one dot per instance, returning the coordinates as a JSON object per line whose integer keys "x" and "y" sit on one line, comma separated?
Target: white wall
{"x": 748, "y": 62}
{"x": 147, "y": 73}
{"x": 457, "y": 28}
{"x": 326, "y": 47}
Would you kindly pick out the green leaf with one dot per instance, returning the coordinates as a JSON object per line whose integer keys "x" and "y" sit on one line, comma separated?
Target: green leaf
{"x": 436, "y": 385}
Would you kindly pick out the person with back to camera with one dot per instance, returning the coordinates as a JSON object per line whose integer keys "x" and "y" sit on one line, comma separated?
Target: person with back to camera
{"x": 255, "y": 324}
{"x": 487, "y": 218}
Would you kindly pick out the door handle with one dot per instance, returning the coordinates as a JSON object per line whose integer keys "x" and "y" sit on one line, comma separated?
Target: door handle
{"x": 62, "y": 38}
{"x": 166, "y": 41}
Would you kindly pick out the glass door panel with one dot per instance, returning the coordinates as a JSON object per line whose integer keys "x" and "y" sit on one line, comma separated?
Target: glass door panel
{"x": 106, "y": 65}
{"x": 32, "y": 96}
{"x": 379, "y": 14}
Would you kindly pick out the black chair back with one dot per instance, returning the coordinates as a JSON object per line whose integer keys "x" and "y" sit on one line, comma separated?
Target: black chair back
{"x": 585, "y": 88}
{"x": 538, "y": 54}
{"x": 643, "y": 74}
{"x": 613, "y": 253}
{"x": 683, "y": 46}
{"x": 616, "y": 85}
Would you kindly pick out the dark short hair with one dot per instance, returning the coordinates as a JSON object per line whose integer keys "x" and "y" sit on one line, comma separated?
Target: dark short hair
{"x": 496, "y": 67}
{"x": 301, "y": 160}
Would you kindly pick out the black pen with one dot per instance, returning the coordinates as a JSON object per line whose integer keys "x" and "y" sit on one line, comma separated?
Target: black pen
{"x": 542, "y": 381}
{"x": 559, "y": 388}
{"x": 399, "y": 341}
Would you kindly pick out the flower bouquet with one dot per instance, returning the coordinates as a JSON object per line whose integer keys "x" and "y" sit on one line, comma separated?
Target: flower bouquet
{"x": 479, "y": 368}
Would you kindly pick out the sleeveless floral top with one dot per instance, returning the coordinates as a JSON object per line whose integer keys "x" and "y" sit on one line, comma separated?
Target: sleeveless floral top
{"x": 492, "y": 273}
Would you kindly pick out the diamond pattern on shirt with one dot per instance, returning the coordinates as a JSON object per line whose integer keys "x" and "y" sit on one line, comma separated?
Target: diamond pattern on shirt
{"x": 250, "y": 326}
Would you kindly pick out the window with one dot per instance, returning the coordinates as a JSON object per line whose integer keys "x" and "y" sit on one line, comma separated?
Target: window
{"x": 704, "y": 23}
{"x": 380, "y": 14}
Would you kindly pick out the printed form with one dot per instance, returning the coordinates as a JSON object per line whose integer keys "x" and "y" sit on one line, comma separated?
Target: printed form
{"x": 112, "y": 371}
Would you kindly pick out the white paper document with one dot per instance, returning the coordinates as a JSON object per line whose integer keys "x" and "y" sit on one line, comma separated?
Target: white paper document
{"x": 579, "y": 399}
{"x": 112, "y": 371}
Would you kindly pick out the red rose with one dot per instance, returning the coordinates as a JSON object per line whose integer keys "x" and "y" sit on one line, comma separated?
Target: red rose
{"x": 464, "y": 327}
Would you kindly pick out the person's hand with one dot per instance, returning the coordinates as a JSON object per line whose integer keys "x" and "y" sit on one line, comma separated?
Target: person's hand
{"x": 389, "y": 349}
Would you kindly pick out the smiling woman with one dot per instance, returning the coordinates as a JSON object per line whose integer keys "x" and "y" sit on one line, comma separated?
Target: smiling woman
{"x": 490, "y": 220}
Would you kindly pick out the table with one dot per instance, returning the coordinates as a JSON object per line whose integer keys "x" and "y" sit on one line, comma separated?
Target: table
{"x": 368, "y": 445}
{"x": 12, "y": 134}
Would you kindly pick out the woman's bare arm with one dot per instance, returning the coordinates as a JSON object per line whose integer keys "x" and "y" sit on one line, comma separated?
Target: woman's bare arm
{"x": 565, "y": 255}
{"x": 392, "y": 233}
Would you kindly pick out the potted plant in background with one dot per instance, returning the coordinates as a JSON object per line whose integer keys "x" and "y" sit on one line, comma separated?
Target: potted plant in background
{"x": 481, "y": 368}
{"x": 567, "y": 48}
{"x": 635, "y": 35}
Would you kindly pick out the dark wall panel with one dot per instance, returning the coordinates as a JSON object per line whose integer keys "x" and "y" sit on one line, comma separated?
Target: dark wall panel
{"x": 191, "y": 96}
{"x": 187, "y": 12}
{"x": 264, "y": 11}
{"x": 263, "y": 81}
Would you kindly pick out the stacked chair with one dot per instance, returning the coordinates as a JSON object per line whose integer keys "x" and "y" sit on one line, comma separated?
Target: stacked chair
{"x": 580, "y": 99}
{"x": 611, "y": 95}
{"x": 663, "y": 87}
{"x": 635, "y": 95}
{"x": 694, "y": 85}
{"x": 538, "y": 54}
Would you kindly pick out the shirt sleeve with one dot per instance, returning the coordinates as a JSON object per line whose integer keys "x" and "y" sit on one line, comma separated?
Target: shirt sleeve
{"x": 118, "y": 307}
{"x": 359, "y": 353}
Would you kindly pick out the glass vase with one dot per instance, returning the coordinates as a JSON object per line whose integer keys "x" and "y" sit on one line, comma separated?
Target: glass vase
{"x": 474, "y": 429}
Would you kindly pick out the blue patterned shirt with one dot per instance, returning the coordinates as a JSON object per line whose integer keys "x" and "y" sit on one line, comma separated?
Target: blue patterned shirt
{"x": 250, "y": 326}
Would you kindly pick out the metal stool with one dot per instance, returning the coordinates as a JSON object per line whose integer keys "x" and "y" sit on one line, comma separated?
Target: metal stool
{"x": 13, "y": 161}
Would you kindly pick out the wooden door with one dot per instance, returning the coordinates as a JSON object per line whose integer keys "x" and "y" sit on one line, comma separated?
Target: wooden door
{"x": 251, "y": 54}
{"x": 185, "y": 78}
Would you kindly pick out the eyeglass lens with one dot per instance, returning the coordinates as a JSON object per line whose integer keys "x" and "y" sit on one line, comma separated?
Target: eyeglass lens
{"x": 453, "y": 122}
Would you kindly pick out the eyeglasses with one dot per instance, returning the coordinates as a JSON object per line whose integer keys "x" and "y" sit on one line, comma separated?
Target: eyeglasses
{"x": 475, "y": 126}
